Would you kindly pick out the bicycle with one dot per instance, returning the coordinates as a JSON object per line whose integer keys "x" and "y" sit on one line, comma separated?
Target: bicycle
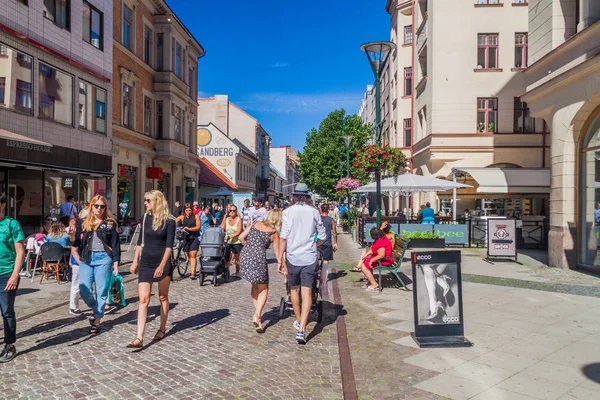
{"x": 179, "y": 258}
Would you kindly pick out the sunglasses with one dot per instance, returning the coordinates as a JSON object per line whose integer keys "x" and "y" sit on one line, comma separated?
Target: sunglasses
{"x": 232, "y": 211}
{"x": 147, "y": 200}
{"x": 99, "y": 206}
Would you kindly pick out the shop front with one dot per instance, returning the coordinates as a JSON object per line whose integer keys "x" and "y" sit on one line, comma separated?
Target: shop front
{"x": 38, "y": 177}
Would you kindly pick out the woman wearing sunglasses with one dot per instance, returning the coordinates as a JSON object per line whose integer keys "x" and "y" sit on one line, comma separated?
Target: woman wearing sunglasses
{"x": 96, "y": 248}
{"x": 152, "y": 262}
{"x": 232, "y": 225}
{"x": 191, "y": 225}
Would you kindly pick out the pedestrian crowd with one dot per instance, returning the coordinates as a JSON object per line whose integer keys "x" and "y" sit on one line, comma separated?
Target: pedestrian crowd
{"x": 297, "y": 232}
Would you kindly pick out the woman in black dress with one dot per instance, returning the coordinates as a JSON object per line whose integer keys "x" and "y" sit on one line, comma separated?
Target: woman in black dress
{"x": 191, "y": 225}
{"x": 152, "y": 262}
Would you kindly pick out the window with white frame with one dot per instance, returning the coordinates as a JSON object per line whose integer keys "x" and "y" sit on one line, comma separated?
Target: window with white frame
{"x": 408, "y": 34}
{"x": 56, "y": 95}
{"x": 521, "y": 49}
{"x": 177, "y": 122}
{"x": 488, "y": 1}
{"x": 128, "y": 119}
{"x": 487, "y": 51}
{"x": 16, "y": 72}
{"x": 92, "y": 108}
{"x": 407, "y": 81}
{"x": 59, "y": 12}
{"x": 100, "y": 110}
{"x": 407, "y": 129}
{"x": 92, "y": 25}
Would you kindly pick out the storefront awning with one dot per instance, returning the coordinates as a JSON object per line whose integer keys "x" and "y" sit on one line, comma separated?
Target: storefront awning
{"x": 510, "y": 180}
{"x": 211, "y": 176}
{"x": 14, "y": 140}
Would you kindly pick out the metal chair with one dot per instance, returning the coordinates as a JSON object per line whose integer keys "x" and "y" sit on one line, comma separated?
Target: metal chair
{"x": 32, "y": 247}
{"x": 53, "y": 261}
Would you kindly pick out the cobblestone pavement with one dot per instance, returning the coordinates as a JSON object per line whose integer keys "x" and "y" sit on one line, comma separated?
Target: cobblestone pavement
{"x": 211, "y": 351}
{"x": 379, "y": 369}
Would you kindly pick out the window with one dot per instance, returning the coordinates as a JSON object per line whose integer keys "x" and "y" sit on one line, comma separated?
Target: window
{"x": 127, "y": 27}
{"x": 523, "y": 121}
{"x": 407, "y": 81}
{"x": 408, "y": 34}
{"x": 56, "y": 95}
{"x": 83, "y": 105}
{"x": 521, "y": 50}
{"x": 487, "y": 115}
{"x": 177, "y": 122}
{"x": 159, "y": 120}
{"x": 128, "y": 106}
{"x": 190, "y": 82}
{"x": 3, "y": 50}
{"x": 23, "y": 1}
{"x": 147, "y": 115}
{"x": 487, "y": 51}
{"x": 487, "y": 1}
{"x": 159, "y": 51}
{"x": 2, "y": 87}
{"x": 92, "y": 25}
{"x": 178, "y": 60}
{"x": 23, "y": 101}
{"x": 100, "y": 95}
{"x": 58, "y": 11}
{"x": 147, "y": 45}
{"x": 407, "y": 128}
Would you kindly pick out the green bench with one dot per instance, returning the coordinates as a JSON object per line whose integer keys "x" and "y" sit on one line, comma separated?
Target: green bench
{"x": 400, "y": 246}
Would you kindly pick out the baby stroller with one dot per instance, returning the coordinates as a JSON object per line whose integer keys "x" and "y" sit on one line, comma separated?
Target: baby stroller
{"x": 212, "y": 259}
{"x": 285, "y": 306}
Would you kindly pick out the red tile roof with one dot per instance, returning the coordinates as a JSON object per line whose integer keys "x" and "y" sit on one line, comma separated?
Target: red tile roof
{"x": 211, "y": 176}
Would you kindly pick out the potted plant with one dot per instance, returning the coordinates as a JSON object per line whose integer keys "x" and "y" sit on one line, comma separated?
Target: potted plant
{"x": 375, "y": 158}
{"x": 353, "y": 216}
{"x": 425, "y": 240}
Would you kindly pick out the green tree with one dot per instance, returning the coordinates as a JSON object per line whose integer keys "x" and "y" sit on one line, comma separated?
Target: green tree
{"x": 324, "y": 149}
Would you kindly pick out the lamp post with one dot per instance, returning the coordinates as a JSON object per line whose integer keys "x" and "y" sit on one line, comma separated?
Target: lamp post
{"x": 341, "y": 164}
{"x": 347, "y": 140}
{"x": 378, "y": 54}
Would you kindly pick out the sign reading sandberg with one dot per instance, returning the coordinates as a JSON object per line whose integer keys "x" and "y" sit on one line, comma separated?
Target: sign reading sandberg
{"x": 502, "y": 238}
{"x": 437, "y": 299}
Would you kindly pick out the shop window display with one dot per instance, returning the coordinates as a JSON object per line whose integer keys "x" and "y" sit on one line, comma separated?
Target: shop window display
{"x": 590, "y": 197}
{"x": 126, "y": 196}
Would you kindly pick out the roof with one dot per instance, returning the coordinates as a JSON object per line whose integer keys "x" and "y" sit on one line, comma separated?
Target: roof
{"x": 165, "y": 8}
{"x": 244, "y": 149}
{"x": 211, "y": 176}
{"x": 277, "y": 172}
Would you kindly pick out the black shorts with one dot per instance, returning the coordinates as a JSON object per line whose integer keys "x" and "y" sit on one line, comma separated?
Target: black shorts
{"x": 304, "y": 276}
{"x": 191, "y": 244}
{"x": 235, "y": 248}
{"x": 326, "y": 251}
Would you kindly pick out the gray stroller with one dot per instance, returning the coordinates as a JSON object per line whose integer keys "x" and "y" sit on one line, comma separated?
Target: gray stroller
{"x": 212, "y": 259}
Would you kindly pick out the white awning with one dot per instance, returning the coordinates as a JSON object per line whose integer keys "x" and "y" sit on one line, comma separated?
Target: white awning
{"x": 510, "y": 180}
{"x": 15, "y": 137}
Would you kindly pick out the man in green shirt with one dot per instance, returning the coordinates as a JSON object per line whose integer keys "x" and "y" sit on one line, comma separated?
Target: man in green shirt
{"x": 12, "y": 255}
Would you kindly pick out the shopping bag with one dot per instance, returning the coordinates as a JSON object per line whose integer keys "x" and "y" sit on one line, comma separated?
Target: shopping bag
{"x": 116, "y": 290}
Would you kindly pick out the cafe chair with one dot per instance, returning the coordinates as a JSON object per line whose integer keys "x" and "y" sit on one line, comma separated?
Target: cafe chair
{"x": 32, "y": 247}
{"x": 53, "y": 261}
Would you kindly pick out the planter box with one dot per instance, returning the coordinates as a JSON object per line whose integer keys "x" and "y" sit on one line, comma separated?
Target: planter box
{"x": 427, "y": 243}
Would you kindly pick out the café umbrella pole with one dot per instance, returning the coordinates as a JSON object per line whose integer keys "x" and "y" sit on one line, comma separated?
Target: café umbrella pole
{"x": 454, "y": 197}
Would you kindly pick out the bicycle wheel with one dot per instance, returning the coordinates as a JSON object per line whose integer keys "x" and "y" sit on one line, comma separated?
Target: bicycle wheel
{"x": 182, "y": 263}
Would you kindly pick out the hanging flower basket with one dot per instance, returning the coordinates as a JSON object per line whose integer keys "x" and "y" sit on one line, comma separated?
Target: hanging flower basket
{"x": 380, "y": 158}
{"x": 345, "y": 186}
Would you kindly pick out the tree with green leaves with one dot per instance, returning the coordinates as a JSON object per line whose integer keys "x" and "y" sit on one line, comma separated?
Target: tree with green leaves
{"x": 324, "y": 149}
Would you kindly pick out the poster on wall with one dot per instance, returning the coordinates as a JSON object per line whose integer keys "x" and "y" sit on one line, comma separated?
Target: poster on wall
{"x": 238, "y": 199}
{"x": 437, "y": 299}
{"x": 502, "y": 238}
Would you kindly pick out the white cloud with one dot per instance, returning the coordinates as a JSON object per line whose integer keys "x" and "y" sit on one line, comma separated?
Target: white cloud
{"x": 300, "y": 103}
{"x": 280, "y": 65}
{"x": 204, "y": 95}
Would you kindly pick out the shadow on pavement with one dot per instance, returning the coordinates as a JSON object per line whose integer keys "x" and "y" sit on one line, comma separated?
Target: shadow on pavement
{"x": 592, "y": 372}
{"x": 331, "y": 312}
{"x": 25, "y": 291}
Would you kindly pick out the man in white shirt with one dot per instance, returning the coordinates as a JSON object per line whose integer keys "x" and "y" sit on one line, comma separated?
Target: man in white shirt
{"x": 300, "y": 224}
{"x": 257, "y": 213}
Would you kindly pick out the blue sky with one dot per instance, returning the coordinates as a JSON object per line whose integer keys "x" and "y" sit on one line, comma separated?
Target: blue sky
{"x": 287, "y": 63}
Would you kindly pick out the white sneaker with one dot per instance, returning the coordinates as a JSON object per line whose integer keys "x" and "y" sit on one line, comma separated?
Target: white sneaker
{"x": 297, "y": 325}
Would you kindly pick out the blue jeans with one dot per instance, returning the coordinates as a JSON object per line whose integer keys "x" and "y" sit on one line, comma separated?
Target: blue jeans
{"x": 97, "y": 272}
{"x": 7, "y": 304}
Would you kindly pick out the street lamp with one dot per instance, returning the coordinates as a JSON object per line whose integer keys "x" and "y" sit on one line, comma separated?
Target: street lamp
{"x": 341, "y": 164}
{"x": 347, "y": 140}
{"x": 378, "y": 54}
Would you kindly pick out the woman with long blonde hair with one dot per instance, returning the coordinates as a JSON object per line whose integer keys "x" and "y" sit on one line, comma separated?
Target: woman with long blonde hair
{"x": 98, "y": 241}
{"x": 254, "y": 267}
{"x": 152, "y": 262}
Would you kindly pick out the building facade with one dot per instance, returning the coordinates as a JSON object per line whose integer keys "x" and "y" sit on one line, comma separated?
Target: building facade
{"x": 563, "y": 88}
{"x": 55, "y": 105}
{"x": 238, "y": 125}
{"x": 154, "y": 115}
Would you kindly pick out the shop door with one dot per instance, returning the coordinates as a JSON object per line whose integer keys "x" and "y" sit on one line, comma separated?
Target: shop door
{"x": 25, "y": 200}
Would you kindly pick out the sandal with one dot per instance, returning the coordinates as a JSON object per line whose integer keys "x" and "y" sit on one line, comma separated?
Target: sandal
{"x": 259, "y": 327}
{"x": 95, "y": 330}
{"x": 92, "y": 321}
{"x": 160, "y": 335}
{"x": 372, "y": 288}
{"x": 356, "y": 270}
{"x": 136, "y": 344}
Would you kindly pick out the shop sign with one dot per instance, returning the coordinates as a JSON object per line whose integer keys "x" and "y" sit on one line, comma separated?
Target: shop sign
{"x": 406, "y": 229}
{"x": 67, "y": 182}
{"x": 438, "y": 313}
{"x": 218, "y": 149}
{"x": 502, "y": 237}
{"x": 452, "y": 234}
{"x": 18, "y": 144}
{"x": 154, "y": 173}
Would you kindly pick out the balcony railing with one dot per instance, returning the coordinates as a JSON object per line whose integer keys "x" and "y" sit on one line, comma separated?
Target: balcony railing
{"x": 422, "y": 36}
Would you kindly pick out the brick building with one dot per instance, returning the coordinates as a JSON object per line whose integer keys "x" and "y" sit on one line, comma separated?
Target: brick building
{"x": 155, "y": 69}
{"x": 55, "y": 102}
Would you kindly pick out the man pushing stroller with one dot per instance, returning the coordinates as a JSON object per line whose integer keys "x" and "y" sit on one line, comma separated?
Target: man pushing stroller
{"x": 300, "y": 223}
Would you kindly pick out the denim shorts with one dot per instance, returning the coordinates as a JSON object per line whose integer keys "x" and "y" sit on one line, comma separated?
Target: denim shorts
{"x": 304, "y": 276}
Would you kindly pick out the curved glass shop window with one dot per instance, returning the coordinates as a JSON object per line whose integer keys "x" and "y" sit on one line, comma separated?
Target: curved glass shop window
{"x": 589, "y": 218}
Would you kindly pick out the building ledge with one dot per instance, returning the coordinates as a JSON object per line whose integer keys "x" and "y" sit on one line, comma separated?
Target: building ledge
{"x": 488, "y": 70}
{"x": 406, "y": 97}
{"x": 488, "y": 5}
{"x": 518, "y": 69}
{"x": 520, "y": 4}
{"x": 407, "y": 45}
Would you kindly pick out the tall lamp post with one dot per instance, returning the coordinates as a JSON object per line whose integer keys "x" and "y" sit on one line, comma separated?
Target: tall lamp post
{"x": 347, "y": 140}
{"x": 341, "y": 164}
{"x": 378, "y": 54}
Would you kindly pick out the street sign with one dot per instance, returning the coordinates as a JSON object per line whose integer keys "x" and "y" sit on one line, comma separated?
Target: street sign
{"x": 502, "y": 238}
{"x": 437, "y": 299}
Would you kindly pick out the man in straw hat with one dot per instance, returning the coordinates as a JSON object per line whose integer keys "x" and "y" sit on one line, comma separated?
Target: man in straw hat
{"x": 300, "y": 224}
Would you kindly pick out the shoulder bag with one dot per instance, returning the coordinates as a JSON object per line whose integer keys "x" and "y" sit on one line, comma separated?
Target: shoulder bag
{"x": 143, "y": 231}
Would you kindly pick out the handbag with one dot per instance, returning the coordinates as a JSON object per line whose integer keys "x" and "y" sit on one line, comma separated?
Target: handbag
{"x": 116, "y": 290}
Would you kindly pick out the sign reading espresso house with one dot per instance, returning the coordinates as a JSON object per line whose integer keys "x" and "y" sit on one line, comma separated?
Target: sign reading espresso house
{"x": 18, "y": 144}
